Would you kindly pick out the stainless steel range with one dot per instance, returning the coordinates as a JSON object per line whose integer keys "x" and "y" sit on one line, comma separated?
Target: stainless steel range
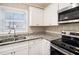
{"x": 69, "y": 43}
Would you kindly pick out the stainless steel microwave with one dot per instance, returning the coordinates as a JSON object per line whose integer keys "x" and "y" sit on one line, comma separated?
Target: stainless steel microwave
{"x": 70, "y": 14}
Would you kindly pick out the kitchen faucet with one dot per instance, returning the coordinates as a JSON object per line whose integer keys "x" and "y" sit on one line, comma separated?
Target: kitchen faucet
{"x": 11, "y": 27}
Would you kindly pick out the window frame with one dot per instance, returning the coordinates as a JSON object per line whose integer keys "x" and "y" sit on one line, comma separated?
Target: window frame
{"x": 18, "y": 9}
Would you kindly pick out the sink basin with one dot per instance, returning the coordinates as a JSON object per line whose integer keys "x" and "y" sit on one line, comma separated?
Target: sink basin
{"x": 12, "y": 39}
{"x": 20, "y": 38}
{"x": 6, "y": 40}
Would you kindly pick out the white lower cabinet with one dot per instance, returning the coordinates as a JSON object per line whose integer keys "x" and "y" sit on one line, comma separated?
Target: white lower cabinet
{"x": 31, "y": 47}
{"x": 45, "y": 47}
{"x": 7, "y": 52}
{"x": 21, "y": 51}
{"x": 35, "y": 47}
{"x": 20, "y": 48}
{"x": 39, "y": 47}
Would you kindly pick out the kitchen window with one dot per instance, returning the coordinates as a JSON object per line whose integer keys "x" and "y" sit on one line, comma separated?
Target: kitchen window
{"x": 11, "y": 19}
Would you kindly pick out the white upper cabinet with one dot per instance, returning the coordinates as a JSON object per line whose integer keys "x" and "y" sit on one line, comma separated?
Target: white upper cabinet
{"x": 51, "y": 15}
{"x": 63, "y": 5}
{"x": 35, "y": 16}
{"x": 46, "y": 17}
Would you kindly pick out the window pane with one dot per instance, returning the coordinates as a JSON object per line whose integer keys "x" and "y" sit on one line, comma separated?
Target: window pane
{"x": 15, "y": 18}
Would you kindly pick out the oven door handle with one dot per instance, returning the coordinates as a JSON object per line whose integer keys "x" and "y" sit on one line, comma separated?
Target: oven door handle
{"x": 61, "y": 50}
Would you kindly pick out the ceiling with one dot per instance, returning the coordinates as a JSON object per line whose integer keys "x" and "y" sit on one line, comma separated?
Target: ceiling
{"x": 25, "y": 5}
{"x": 39, "y": 5}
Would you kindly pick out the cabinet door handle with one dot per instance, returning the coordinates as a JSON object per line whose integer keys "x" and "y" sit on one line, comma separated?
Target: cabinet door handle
{"x": 11, "y": 53}
{"x": 14, "y": 52}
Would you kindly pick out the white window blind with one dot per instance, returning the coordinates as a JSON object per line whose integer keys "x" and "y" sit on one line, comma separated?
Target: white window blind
{"x": 12, "y": 17}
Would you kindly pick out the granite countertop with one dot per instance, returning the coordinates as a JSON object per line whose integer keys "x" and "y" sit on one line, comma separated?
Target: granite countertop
{"x": 32, "y": 36}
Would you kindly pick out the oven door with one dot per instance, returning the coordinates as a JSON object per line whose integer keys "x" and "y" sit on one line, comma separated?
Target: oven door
{"x": 53, "y": 51}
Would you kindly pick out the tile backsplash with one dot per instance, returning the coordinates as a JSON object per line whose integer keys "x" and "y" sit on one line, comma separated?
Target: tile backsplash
{"x": 36, "y": 29}
{"x": 64, "y": 27}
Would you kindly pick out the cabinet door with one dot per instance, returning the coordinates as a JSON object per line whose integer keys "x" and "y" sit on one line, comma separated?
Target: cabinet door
{"x": 35, "y": 16}
{"x": 51, "y": 15}
{"x": 45, "y": 47}
{"x": 63, "y": 5}
{"x": 6, "y": 49}
{"x": 21, "y": 51}
{"x": 35, "y": 47}
{"x": 21, "y": 48}
{"x": 7, "y": 52}
{"x": 39, "y": 47}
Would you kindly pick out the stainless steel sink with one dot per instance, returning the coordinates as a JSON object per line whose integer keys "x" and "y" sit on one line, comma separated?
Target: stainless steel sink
{"x": 12, "y": 39}
{"x": 19, "y": 38}
{"x": 6, "y": 40}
